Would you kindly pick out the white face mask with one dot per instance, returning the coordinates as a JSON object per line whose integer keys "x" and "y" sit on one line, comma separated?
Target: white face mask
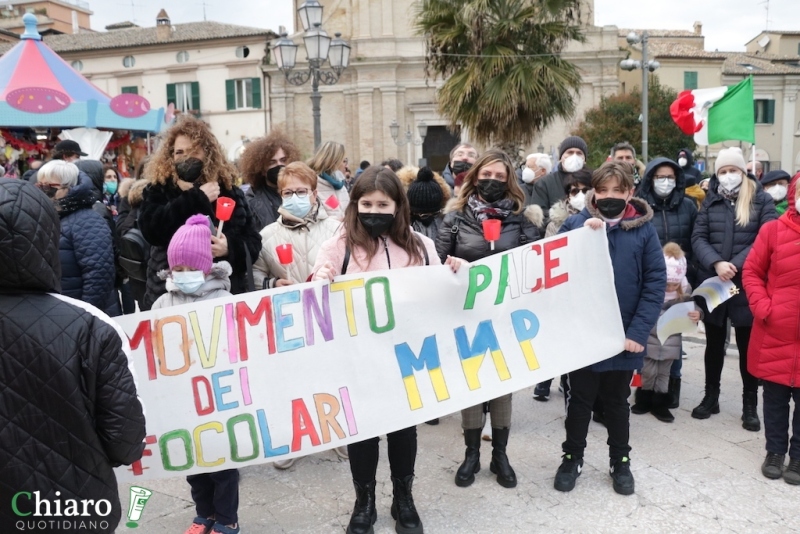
{"x": 730, "y": 180}
{"x": 777, "y": 192}
{"x": 578, "y": 201}
{"x": 528, "y": 175}
{"x": 188, "y": 281}
{"x": 573, "y": 163}
{"x": 663, "y": 186}
{"x": 682, "y": 162}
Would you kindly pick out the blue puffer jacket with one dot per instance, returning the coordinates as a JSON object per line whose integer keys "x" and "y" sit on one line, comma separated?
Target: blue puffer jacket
{"x": 640, "y": 275}
{"x": 85, "y": 249}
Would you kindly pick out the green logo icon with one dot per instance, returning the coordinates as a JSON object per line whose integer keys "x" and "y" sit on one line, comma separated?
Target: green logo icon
{"x": 139, "y": 498}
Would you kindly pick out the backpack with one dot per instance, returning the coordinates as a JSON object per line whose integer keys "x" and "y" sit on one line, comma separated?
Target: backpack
{"x": 134, "y": 252}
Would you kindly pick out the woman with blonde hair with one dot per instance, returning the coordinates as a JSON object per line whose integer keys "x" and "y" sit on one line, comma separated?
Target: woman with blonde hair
{"x": 490, "y": 192}
{"x": 187, "y": 175}
{"x": 329, "y": 162}
{"x": 733, "y": 212}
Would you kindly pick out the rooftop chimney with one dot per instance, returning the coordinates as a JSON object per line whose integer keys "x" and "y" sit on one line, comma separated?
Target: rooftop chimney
{"x": 698, "y": 28}
{"x": 163, "y": 26}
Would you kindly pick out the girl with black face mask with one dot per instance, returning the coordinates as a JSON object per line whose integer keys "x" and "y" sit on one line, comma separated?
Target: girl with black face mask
{"x": 376, "y": 234}
{"x": 490, "y": 191}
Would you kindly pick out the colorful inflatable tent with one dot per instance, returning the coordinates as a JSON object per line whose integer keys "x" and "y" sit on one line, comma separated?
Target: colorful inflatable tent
{"x": 39, "y": 89}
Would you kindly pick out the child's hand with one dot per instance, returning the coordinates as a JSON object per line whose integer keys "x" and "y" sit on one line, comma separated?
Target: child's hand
{"x": 325, "y": 272}
{"x": 219, "y": 246}
{"x": 632, "y": 346}
{"x": 454, "y": 263}
{"x": 594, "y": 223}
{"x": 694, "y": 316}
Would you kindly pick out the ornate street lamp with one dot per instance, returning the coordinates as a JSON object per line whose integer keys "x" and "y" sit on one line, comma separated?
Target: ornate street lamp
{"x": 319, "y": 48}
{"x": 394, "y": 129}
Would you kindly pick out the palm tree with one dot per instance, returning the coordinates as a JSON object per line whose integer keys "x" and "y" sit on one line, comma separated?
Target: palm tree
{"x": 500, "y": 59}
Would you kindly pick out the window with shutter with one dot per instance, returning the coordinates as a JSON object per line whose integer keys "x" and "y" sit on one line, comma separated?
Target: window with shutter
{"x": 132, "y": 89}
{"x": 243, "y": 93}
{"x": 689, "y": 80}
{"x": 764, "y": 111}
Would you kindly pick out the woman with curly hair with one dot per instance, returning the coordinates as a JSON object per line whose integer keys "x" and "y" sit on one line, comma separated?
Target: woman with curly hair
{"x": 329, "y": 162}
{"x": 187, "y": 175}
{"x": 260, "y": 164}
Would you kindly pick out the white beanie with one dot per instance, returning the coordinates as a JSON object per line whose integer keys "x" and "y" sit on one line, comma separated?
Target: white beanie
{"x": 730, "y": 156}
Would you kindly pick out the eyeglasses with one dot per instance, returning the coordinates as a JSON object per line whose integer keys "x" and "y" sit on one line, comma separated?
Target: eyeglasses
{"x": 345, "y": 161}
{"x": 664, "y": 177}
{"x": 288, "y": 193}
{"x": 575, "y": 190}
{"x": 47, "y": 185}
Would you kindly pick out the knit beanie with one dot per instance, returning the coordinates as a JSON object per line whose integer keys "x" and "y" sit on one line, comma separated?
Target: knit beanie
{"x": 730, "y": 156}
{"x": 424, "y": 194}
{"x": 573, "y": 142}
{"x": 191, "y": 245}
{"x": 774, "y": 176}
{"x": 676, "y": 263}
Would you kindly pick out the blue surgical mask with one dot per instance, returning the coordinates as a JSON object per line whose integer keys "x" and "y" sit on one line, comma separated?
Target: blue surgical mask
{"x": 188, "y": 281}
{"x": 110, "y": 187}
{"x": 298, "y": 206}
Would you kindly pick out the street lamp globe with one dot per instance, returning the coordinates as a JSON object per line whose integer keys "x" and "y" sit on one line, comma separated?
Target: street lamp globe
{"x": 310, "y": 14}
{"x": 339, "y": 54}
{"x": 633, "y": 38}
{"x": 317, "y": 44}
{"x": 285, "y": 53}
{"x": 394, "y": 129}
{"x": 422, "y": 128}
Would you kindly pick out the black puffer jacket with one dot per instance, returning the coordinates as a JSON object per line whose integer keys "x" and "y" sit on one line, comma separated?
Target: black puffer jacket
{"x": 461, "y": 234}
{"x": 717, "y": 237}
{"x": 674, "y": 216}
{"x": 165, "y": 208}
{"x": 264, "y": 203}
{"x": 68, "y": 406}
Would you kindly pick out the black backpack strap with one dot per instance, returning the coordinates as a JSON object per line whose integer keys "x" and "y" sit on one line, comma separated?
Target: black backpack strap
{"x": 346, "y": 260}
{"x": 454, "y": 235}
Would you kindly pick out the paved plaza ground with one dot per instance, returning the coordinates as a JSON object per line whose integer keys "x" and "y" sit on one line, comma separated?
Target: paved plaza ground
{"x": 691, "y": 476}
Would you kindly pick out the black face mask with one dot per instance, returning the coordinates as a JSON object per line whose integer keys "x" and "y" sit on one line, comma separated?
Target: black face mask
{"x": 272, "y": 175}
{"x": 49, "y": 190}
{"x": 491, "y": 190}
{"x": 611, "y": 208}
{"x": 376, "y": 224}
{"x": 460, "y": 166}
{"x": 189, "y": 170}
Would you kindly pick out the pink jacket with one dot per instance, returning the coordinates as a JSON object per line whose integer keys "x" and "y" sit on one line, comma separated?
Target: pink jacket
{"x": 333, "y": 250}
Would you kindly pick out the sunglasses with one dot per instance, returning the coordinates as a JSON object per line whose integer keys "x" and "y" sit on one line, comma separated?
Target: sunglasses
{"x": 574, "y": 191}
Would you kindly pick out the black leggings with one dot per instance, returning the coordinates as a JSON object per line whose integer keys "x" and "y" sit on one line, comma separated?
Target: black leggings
{"x": 402, "y": 455}
{"x": 715, "y": 356}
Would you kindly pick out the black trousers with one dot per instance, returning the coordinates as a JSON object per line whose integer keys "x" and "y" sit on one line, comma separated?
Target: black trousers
{"x": 216, "y": 494}
{"x": 402, "y": 455}
{"x": 715, "y": 356}
{"x": 612, "y": 388}
{"x": 776, "y": 419}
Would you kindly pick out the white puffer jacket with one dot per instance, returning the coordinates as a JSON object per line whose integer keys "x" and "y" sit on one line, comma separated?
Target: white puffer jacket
{"x": 306, "y": 237}
{"x": 325, "y": 190}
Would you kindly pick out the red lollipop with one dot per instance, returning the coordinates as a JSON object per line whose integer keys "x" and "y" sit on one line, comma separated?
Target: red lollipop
{"x": 225, "y": 207}
{"x": 332, "y": 202}
{"x": 491, "y": 230}
{"x": 284, "y": 253}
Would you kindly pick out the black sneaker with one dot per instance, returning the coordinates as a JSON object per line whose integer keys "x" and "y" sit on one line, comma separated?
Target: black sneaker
{"x": 792, "y": 473}
{"x": 568, "y": 472}
{"x": 621, "y": 475}
{"x": 773, "y": 465}
{"x": 542, "y": 392}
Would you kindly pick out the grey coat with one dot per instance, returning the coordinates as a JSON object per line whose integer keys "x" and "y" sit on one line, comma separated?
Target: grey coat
{"x": 671, "y": 349}
{"x": 217, "y": 285}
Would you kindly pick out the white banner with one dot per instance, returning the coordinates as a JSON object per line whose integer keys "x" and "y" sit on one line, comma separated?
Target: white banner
{"x": 292, "y": 371}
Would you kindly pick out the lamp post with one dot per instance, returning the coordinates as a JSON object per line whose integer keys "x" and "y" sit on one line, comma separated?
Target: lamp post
{"x": 422, "y": 129}
{"x": 646, "y": 66}
{"x": 319, "y": 48}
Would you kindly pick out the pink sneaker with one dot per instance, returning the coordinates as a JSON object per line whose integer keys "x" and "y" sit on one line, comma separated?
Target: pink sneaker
{"x": 200, "y": 525}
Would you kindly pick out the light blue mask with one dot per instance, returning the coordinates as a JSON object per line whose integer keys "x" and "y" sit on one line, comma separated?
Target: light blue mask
{"x": 299, "y": 207}
{"x": 189, "y": 282}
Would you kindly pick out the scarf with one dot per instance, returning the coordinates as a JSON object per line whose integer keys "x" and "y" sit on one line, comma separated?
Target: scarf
{"x": 336, "y": 184}
{"x": 729, "y": 195}
{"x": 76, "y": 202}
{"x": 496, "y": 210}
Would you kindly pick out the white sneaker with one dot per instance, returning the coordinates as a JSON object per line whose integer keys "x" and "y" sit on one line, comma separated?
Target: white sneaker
{"x": 284, "y": 464}
{"x": 341, "y": 452}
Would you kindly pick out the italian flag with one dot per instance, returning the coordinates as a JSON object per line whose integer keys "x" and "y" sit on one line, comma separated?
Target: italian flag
{"x": 717, "y": 114}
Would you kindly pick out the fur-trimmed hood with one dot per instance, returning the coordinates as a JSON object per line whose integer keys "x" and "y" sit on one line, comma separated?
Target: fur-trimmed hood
{"x": 533, "y": 213}
{"x": 217, "y": 278}
{"x": 135, "y": 192}
{"x": 560, "y": 212}
{"x": 637, "y": 214}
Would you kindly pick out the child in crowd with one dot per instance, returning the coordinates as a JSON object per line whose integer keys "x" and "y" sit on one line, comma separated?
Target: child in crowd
{"x": 653, "y": 396}
{"x": 639, "y": 281}
{"x": 194, "y": 277}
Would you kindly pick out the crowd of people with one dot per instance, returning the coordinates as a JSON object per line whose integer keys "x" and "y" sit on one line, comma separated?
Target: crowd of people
{"x": 118, "y": 245}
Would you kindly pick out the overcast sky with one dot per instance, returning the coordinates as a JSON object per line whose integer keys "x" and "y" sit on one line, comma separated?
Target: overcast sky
{"x": 727, "y": 24}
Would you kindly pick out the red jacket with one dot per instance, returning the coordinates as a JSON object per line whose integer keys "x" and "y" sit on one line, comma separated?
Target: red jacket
{"x": 771, "y": 278}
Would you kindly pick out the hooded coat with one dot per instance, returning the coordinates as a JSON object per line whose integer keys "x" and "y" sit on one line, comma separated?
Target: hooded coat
{"x": 771, "y": 275}
{"x": 165, "y": 208}
{"x": 640, "y": 275}
{"x": 673, "y": 216}
{"x": 216, "y": 286}
{"x": 68, "y": 406}
{"x": 718, "y": 237}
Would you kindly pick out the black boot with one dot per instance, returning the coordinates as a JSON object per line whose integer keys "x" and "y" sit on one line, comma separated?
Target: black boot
{"x": 472, "y": 458}
{"x": 660, "y": 410}
{"x": 500, "y": 466}
{"x": 674, "y": 392}
{"x": 403, "y": 509}
{"x": 364, "y": 514}
{"x": 750, "y": 419}
{"x": 709, "y": 405}
{"x": 642, "y": 401}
